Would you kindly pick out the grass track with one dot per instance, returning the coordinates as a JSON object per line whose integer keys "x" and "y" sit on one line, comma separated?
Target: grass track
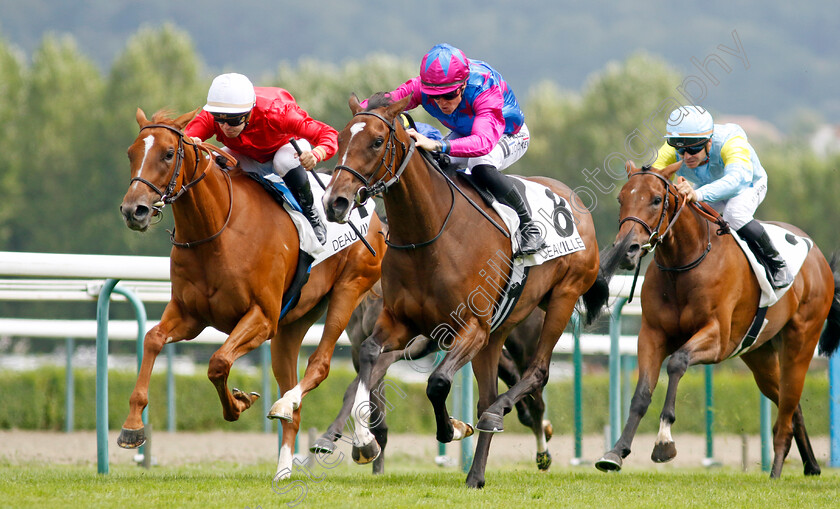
{"x": 347, "y": 486}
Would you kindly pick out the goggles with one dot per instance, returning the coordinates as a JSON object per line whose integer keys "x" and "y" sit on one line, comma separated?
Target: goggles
{"x": 447, "y": 96}
{"x": 231, "y": 120}
{"x": 690, "y": 145}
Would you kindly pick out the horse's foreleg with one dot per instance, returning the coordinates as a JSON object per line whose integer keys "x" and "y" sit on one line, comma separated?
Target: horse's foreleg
{"x": 252, "y": 330}
{"x": 464, "y": 346}
{"x": 388, "y": 335}
{"x": 651, "y": 354}
{"x": 326, "y": 442}
{"x": 171, "y": 328}
{"x": 703, "y": 347}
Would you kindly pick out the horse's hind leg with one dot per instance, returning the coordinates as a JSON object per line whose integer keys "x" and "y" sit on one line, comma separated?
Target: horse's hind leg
{"x": 172, "y": 327}
{"x": 485, "y": 367}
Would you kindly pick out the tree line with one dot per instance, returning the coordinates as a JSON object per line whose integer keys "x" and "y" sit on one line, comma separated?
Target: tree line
{"x": 66, "y": 126}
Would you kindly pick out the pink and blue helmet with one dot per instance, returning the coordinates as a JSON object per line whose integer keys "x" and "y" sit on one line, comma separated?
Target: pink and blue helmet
{"x": 443, "y": 69}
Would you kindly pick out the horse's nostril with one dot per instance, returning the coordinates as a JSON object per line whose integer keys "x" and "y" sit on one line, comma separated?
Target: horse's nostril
{"x": 633, "y": 249}
{"x": 140, "y": 212}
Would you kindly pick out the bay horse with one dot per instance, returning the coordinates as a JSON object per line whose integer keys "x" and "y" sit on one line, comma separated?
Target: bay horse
{"x": 699, "y": 298}
{"x": 236, "y": 255}
{"x": 435, "y": 273}
{"x": 519, "y": 348}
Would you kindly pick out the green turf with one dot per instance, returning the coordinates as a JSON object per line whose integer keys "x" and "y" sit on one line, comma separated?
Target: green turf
{"x": 346, "y": 486}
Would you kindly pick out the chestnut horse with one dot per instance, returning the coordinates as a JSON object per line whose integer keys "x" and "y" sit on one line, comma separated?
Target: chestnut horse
{"x": 235, "y": 255}
{"x": 436, "y": 265}
{"x": 699, "y": 299}
{"x": 519, "y": 348}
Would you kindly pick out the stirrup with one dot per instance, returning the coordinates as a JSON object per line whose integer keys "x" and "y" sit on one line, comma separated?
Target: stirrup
{"x": 530, "y": 240}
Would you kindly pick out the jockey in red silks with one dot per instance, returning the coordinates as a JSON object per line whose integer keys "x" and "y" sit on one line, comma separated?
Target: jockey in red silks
{"x": 256, "y": 126}
{"x": 488, "y": 131}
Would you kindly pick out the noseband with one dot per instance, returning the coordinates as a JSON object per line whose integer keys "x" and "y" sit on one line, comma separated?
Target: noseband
{"x": 655, "y": 235}
{"x": 388, "y": 162}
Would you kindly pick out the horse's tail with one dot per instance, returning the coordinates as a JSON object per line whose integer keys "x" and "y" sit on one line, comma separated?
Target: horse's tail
{"x": 595, "y": 299}
{"x": 611, "y": 257}
{"x": 830, "y": 339}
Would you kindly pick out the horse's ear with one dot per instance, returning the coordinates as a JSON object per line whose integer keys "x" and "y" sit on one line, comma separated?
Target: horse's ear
{"x": 396, "y": 108}
{"x": 141, "y": 118}
{"x": 355, "y": 107}
{"x": 184, "y": 119}
{"x": 629, "y": 168}
{"x": 669, "y": 170}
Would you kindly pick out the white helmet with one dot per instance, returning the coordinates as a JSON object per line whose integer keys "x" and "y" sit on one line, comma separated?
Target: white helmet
{"x": 689, "y": 125}
{"x": 230, "y": 93}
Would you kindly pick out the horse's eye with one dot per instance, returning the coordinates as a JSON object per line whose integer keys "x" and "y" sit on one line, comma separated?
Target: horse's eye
{"x": 169, "y": 154}
{"x": 378, "y": 143}
{"x": 656, "y": 200}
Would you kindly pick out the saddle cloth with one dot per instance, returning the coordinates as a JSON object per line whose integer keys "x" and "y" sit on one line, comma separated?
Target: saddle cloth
{"x": 552, "y": 215}
{"x": 339, "y": 236}
{"x": 793, "y": 250}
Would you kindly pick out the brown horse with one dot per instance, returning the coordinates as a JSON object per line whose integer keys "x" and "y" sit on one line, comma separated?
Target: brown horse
{"x": 436, "y": 279}
{"x": 235, "y": 255}
{"x": 699, "y": 299}
{"x": 519, "y": 348}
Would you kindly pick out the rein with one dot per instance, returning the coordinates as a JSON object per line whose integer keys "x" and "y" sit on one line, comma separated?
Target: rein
{"x": 167, "y": 196}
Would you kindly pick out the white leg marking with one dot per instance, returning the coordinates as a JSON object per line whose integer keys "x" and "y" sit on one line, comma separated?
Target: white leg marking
{"x": 361, "y": 414}
{"x": 664, "y": 435}
{"x": 284, "y": 463}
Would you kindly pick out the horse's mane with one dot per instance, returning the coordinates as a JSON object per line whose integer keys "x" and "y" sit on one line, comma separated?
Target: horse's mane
{"x": 379, "y": 100}
{"x": 163, "y": 116}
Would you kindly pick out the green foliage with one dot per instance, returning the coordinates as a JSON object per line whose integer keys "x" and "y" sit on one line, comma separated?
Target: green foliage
{"x": 35, "y": 400}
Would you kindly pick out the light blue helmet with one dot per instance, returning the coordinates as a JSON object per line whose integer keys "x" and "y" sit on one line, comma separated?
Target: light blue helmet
{"x": 689, "y": 125}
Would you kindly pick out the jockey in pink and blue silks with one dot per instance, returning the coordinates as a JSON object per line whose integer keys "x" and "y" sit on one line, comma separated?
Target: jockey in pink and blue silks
{"x": 488, "y": 131}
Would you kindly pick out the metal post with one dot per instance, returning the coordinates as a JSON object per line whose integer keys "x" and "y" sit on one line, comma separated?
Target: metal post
{"x": 577, "y": 360}
{"x": 834, "y": 408}
{"x": 615, "y": 370}
{"x": 709, "y": 460}
{"x": 102, "y": 310}
{"x": 766, "y": 438}
{"x": 467, "y": 409}
{"x": 102, "y": 375}
{"x": 171, "y": 423}
{"x": 265, "y": 357}
{"x": 69, "y": 386}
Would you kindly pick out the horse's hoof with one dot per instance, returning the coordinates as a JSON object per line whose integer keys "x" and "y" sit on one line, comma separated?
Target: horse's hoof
{"x": 664, "y": 452}
{"x": 490, "y": 423}
{"x": 280, "y": 410}
{"x": 131, "y": 438}
{"x": 366, "y": 453}
{"x": 322, "y": 446}
{"x": 548, "y": 429}
{"x": 475, "y": 482}
{"x": 543, "y": 461}
{"x": 461, "y": 429}
{"x": 610, "y": 462}
{"x": 812, "y": 470}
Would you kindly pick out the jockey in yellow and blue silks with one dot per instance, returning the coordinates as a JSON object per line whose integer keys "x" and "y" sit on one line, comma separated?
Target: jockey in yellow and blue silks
{"x": 720, "y": 167}
{"x": 488, "y": 131}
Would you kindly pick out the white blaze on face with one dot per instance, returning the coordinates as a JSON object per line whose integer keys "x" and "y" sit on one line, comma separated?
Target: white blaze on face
{"x": 148, "y": 143}
{"x": 354, "y": 130}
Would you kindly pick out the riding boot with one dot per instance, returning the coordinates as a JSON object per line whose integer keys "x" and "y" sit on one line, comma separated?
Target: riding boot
{"x": 502, "y": 188}
{"x": 756, "y": 236}
{"x": 298, "y": 183}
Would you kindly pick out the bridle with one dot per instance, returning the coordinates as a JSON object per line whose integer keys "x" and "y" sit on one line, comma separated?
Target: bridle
{"x": 381, "y": 186}
{"x": 167, "y": 196}
{"x": 657, "y": 234}
{"x": 387, "y": 162}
